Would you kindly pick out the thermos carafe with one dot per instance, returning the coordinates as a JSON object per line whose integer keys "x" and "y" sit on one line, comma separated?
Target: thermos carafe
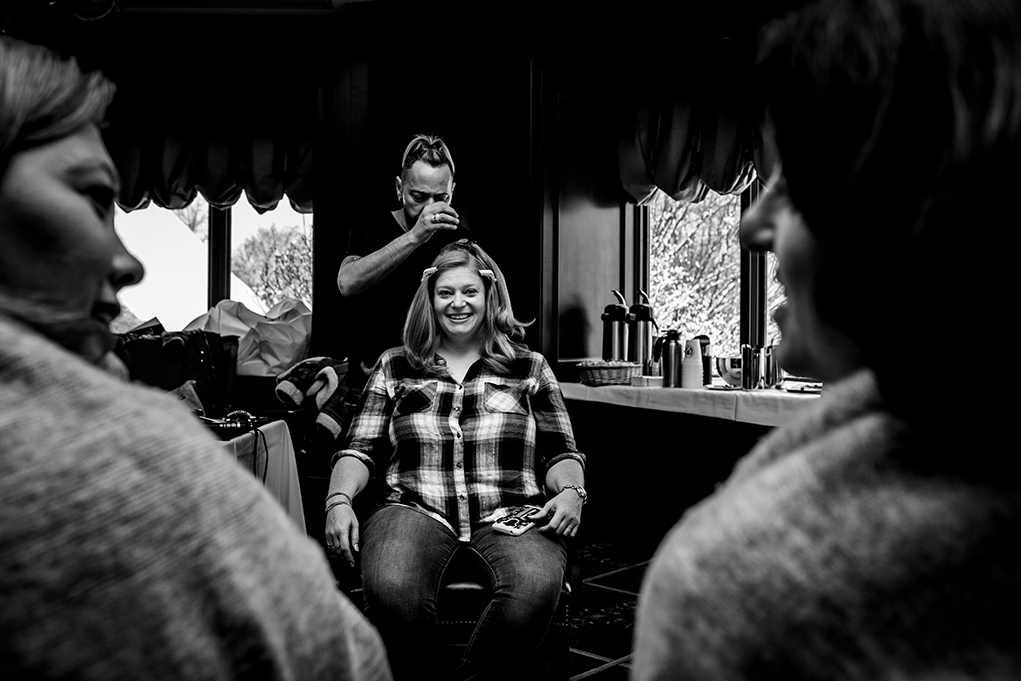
{"x": 669, "y": 351}
{"x": 640, "y": 336}
{"x": 615, "y": 330}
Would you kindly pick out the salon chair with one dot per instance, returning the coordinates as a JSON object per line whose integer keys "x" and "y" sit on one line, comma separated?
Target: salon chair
{"x": 462, "y": 600}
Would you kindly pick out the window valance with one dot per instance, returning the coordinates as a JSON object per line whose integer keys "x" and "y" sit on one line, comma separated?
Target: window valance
{"x": 171, "y": 143}
{"x": 694, "y": 131}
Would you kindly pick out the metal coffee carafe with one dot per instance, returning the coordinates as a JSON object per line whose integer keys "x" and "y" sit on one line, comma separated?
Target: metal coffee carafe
{"x": 669, "y": 351}
{"x": 641, "y": 331}
{"x": 615, "y": 330}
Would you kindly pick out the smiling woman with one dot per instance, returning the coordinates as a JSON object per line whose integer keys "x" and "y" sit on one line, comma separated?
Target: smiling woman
{"x": 455, "y": 427}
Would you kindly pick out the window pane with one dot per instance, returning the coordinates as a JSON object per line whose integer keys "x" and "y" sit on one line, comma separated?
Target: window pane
{"x": 272, "y": 253}
{"x": 175, "y": 257}
{"x": 695, "y": 268}
{"x": 775, "y": 297}
{"x": 172, "y": 245}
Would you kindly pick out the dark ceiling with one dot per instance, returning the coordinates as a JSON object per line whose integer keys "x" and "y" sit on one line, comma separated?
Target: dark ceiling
{"x": 284, "y": 6}
{"x": 97, "y": 9}
{"x": 645, "y": 21}
{"x": 641, "y": 42}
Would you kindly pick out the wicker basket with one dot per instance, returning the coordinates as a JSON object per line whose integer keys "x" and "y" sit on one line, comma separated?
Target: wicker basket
{"x": 617, "y": 373}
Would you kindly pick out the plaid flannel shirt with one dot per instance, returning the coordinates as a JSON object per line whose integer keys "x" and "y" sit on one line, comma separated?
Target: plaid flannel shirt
{"x": 462, "y": 452}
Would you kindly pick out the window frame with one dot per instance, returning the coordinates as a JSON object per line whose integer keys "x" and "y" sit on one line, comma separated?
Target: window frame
{"x": 218, "y": 283}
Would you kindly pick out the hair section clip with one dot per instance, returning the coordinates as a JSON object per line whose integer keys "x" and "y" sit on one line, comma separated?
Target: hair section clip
{"x": 488, "y": 274}
{"x": 428, "y": 272}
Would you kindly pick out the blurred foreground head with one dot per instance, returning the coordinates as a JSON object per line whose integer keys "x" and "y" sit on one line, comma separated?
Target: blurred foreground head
{"x": 896, "y": 126}
{"x": 61, "y": 263}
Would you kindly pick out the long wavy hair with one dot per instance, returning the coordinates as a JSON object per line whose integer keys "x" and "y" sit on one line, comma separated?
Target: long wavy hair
{"x": 499, "y": 326}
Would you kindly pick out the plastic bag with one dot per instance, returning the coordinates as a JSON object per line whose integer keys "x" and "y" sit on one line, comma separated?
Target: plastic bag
{"x": 270, "y": 344}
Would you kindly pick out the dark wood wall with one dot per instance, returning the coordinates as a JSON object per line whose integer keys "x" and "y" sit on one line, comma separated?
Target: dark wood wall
{"x": 593, "y": 226}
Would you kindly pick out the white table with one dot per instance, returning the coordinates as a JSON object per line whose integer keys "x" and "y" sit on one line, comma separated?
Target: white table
{"x": 765, "y": 407}
{"x": 270, "y": 457}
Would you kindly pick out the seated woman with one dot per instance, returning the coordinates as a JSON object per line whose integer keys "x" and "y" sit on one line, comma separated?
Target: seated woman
{"x": 876, "y": 537}
{"x": 458, "y": 424}
{"x": 131, "y": 545}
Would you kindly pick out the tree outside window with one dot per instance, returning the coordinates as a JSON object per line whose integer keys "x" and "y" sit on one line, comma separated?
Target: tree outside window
{"x": 695, "y": 270}
{"x": 272, "y": 252}
{"x": 276, "y": 263}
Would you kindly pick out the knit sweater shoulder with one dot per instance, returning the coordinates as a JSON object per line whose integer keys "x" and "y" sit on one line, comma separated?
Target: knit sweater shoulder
{"x": 835, "y": 552}
{"x": 133, "y": 546}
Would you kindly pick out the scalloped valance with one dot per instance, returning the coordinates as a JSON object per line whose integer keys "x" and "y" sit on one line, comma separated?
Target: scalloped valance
{"x": 171, "y": 143}
{"x": 697, "y": 132}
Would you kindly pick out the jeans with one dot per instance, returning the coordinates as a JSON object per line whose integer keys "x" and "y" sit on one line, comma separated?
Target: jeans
{"x": 403, "y": 556}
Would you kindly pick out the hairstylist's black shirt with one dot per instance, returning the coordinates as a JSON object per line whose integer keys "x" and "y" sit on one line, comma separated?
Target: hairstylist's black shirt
{"x": 378, "y": 314}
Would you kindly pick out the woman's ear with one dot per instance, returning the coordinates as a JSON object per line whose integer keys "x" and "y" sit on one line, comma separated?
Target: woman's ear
{"x": 400, "y": 190}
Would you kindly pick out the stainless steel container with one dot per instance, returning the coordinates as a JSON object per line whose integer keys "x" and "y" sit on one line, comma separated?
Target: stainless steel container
{"x": 615, "y": 330}
{"x": 641, "y": 333}
{"x": 669, "y": 350}
{"x": 751, "y": 366}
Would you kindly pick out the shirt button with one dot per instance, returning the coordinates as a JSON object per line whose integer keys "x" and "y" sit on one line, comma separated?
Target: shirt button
{"x": 462, "y": 497}
{"x": 457, "y": 409}
{"x": 457, "y": 465}
{"x": 457, "y": 436}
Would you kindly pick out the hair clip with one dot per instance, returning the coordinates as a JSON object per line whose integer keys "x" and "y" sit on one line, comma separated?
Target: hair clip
{"x": 428, "y": 272}
{"x": 488, "y": 274}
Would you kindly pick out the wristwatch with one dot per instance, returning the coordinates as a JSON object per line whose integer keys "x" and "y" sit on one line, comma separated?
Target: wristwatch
{"x": 579, "y": 490}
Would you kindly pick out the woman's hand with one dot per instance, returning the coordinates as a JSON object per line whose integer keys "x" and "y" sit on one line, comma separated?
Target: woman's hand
{"x": 564, "y": 513}
{"x": 342, "y": 532}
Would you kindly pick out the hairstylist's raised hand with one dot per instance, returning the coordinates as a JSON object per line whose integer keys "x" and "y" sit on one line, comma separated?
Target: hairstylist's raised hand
{"x": 435, "y": 217}
{"x": 342, "y": 532}
{"x": 564, "y": 513}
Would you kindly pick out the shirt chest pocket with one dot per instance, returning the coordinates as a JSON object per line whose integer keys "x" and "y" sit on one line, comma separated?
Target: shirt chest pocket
{"x": 506, "y": 424}
{"x": 505, "y": 399}
{"x": 414, "y": 415}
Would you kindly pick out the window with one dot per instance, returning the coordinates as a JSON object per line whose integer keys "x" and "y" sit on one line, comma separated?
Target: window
{"x": 176, "y": 260}
{"x": 271, "y": 260}
{"x": 272, "y": 252}
{"x": 695, "y": 271}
